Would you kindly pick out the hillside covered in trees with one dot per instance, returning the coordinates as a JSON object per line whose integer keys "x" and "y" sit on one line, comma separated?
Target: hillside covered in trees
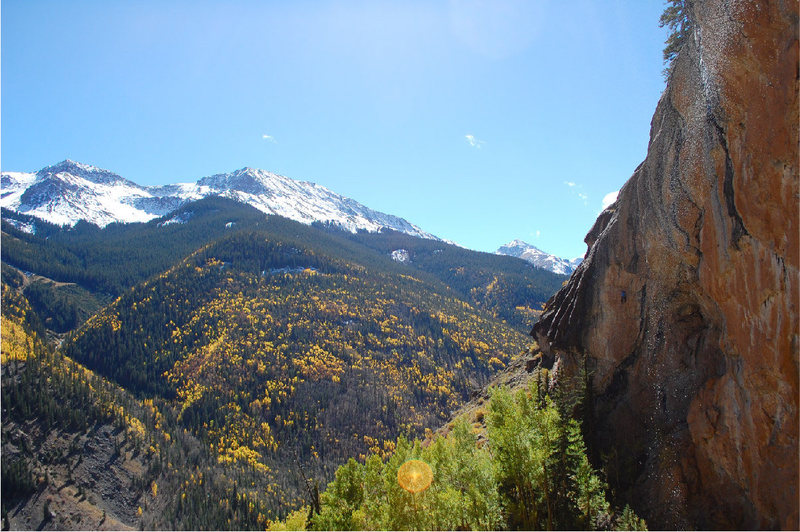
{"x": 276, "y": 350}
{"x": 88, "y": 454}
{"x": 80, "y": 452}
{"x": 99, "y": 264}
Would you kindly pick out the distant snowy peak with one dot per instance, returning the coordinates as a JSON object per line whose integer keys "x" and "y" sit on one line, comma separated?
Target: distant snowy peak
{"x": 90, "y": 173}
{"x": 302, "y": 201}
{"x": 537, "y": 257}
{"x": 68, "y": 192}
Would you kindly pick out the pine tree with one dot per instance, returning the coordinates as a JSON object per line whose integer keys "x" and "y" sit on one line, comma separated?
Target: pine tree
{"x": 676, "y": 18}
{"x": 628, "y": 520}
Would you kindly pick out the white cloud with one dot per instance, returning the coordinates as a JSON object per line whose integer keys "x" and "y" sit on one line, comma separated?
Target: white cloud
{"x": 570, "y": 184}
{"x": 609, "y": 198}
{"x": 475, "y": 143}
{"x": 269, "y": 138}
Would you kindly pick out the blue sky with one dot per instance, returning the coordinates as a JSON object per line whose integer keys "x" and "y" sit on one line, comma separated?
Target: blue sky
{"x": 479, "y": 121}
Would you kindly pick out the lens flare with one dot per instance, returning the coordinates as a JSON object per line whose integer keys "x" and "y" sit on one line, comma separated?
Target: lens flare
{"x": 414, "y": 476}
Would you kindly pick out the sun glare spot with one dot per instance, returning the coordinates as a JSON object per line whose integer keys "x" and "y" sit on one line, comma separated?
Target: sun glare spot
{"x": 414, "y": 476}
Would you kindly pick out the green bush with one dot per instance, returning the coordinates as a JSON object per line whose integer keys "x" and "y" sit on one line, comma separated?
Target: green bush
{"x": 532, "y": 474}
{"x": 463, "y": 493}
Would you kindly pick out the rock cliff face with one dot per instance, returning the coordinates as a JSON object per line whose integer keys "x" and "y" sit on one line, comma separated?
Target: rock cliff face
{"x": 685, "y": 309}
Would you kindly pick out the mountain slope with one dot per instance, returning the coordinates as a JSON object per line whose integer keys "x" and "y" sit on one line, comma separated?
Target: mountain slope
{"x": 68, "y": 192}
{"x": 107, "y": 261}
{"x": 507, "y": 288}
{"x": 685, "y": 310}
{"x": 79, "y": 452}
{"x": 277, "y": 350}
{"x": 537, "y": 257}
{"x": 118, "y": 256}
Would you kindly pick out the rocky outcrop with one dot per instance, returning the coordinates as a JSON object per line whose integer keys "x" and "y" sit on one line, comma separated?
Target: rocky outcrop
{"x": 685, "y": 309}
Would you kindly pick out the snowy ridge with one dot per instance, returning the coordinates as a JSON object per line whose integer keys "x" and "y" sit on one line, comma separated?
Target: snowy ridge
{"x": 537, "y": 257}
{"x": 302, "y": 201}
{"x": 68, "y": 192}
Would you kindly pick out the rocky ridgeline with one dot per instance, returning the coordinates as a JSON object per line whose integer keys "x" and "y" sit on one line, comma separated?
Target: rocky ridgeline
{"x": 685, "y": 309}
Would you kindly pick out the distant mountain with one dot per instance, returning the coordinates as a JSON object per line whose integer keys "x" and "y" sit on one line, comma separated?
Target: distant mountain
{"x": 69, "y": 191}
{"x": 539, "y": 258}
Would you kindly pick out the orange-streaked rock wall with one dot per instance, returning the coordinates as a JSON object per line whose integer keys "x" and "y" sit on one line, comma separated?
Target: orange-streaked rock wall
{"x": 695, "y": 368}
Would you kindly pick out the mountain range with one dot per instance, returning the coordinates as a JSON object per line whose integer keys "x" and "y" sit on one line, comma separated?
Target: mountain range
{"x": 68, "y": 192}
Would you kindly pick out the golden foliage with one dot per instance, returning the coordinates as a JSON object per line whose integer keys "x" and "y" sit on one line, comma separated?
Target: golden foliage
{"x": 16, "y": 344}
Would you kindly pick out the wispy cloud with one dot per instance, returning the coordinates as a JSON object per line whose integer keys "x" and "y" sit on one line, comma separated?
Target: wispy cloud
{"x": 269, "y": 138}
{"x": 475, "y": 143}
{"x": 570, "y": 184}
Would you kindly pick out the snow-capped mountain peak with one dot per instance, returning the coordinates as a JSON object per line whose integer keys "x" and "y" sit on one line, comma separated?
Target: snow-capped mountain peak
{"x": 537, "y": 257}
{"x": 248, "y": 180}
{"x": 88, "y": 172}
{"x": 516, "y": 245}
{"x": 67, "y": 192}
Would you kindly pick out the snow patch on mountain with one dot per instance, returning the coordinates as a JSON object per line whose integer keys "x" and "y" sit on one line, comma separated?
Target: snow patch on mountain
{"x": 539, "y": 258}
{"x": 401, "y": 255}
{"x": 180, "y": 219}
{"x": 25, "y": 227}
{"x": 69, "y": 191}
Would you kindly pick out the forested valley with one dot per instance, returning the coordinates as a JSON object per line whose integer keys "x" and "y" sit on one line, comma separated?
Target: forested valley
{"x": 222, "y": 369}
